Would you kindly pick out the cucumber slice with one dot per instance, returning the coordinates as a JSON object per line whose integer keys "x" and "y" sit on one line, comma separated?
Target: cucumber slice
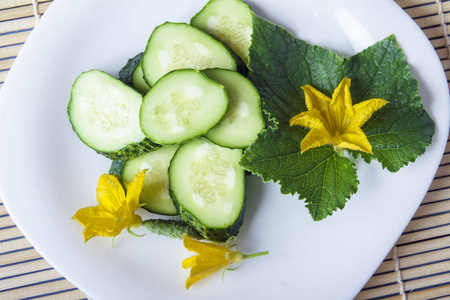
{"x": 173, "y": 46}
{"x": 104, "y": 113}
{"x": 207, "y": 186}
{"x": 116, "y": 168}
{"x": 182, "y": 105}
{"x": 243, "y": 120}
{"x": 155, "y": 192}
{"x": 138, "y": 80}
{"x": 126, "y": 73}
{"x": 229, "y": 21}
{"x": 131, "y": 74}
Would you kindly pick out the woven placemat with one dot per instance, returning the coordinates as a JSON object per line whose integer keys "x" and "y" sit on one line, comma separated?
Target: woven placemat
{"x": 417, "y": 267}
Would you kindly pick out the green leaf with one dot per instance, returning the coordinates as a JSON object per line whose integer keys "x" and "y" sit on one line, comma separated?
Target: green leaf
{"x": 323, "y": 177}
{"x": 381, "y": 71}
{"x": 398, "y": 135}
{"x": 280, "y": 65}
{"x": 400, "y": 131}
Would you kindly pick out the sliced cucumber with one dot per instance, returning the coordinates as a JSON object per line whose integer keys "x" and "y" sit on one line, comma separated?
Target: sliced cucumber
{"x": 243, "y": 121}
{"x": 138, "y": 80}
{"x": 182, "y": 105}
{"x": 173, "y": 46}
{"x": 104, "y": 113}
{"x": 155, "y": 192}
{"x": 131, "y": 74}
{"x": 229, "y": 21}
{"x": 207, "y": 186}
{"x": 116, "y": 168}
{"x": 126, "y": 73}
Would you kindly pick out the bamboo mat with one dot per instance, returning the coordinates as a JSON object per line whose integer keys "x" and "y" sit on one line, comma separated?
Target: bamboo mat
{"x": 418, "y": 267}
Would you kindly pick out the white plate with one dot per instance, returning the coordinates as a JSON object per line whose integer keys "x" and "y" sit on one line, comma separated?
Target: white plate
{"x": 46, "y": 173}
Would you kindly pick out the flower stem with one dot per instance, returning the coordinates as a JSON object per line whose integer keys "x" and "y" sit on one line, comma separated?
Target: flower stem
{"x": 256, "y": 254}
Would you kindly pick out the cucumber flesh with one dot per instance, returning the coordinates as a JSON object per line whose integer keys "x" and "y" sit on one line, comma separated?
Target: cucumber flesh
{"x": 155, "y": 192}
{"x": 173, "y": 46}
{"x": 182, "y": 105}
{"x": 138, "y": 81}
{"x": 207, "y": 186}
{"x": 243, "y": 120}
{"x": 104, "y": 113}
{"x": 229, "y": 21}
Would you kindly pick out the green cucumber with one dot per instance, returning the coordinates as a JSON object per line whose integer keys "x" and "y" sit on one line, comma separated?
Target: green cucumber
{"x": 126, "y": 73}
{"x": 116, "y": 168}
{"x": 207, "y": 186}
{"x": 229, "y": 21}
{"x": 131, "y": 74}
{"x": 244, "y": 120}
{"x": 155, "y": 192}
{"x": 104, "y": 113}
{"x": 182, "y": 105}
{"x": 174, "y": 229}
{"x": 138, "y": 80}
{"x": 173, "y": 46}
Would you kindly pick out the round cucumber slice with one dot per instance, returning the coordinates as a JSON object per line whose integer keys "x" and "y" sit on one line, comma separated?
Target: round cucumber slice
{"x": 155, "y": 192}
{"x": 182, "y": 105}
{"x": 229, "y": 21}
{"x": 104, "y": 113}
{"x": 173, "y": 46}
{"x": 243, "y": 120}
{"x": 207, "y": 185}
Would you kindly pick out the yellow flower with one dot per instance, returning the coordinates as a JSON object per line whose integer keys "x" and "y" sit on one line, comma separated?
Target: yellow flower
{"x": 115, "y": 210}
{"x": 210, "y": 258}
{"x": 335, "y": 121}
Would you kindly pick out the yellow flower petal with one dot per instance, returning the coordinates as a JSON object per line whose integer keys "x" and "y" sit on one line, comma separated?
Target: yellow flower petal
{"x": 365, "y": 109}
{"x": 199, "y": 272}
{"x": 308, "y": 119}
{"x": 110, "y": 193}
{"x": 211, "y": 258}
{"x": 335, "y": 121}
{"x": 189, "y": 262}
{"x": 342, "y": 93}
{"x": 315, "y": 99}
{"x": 96, "y": 222}
{"x": 115, "y": 211}
{"x": 202, "y": 247}
{"x": 315, "y": 138}
{"x": 134, "y": 190}
{"x": 355, "y": 141}
{"x": 341, "y": 110}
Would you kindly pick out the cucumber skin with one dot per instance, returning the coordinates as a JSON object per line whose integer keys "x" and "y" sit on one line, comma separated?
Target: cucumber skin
{"x": 171, "y": 228}
{"x": 241, "y": 67}
{"x": 132, "y": 150}
{"x": 126, "y": 73}
{"x": 213, "y": 234}
{"x": 117, "y": 168}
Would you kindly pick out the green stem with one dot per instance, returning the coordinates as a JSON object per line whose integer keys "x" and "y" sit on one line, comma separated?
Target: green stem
{"x": 256, "y": 254}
